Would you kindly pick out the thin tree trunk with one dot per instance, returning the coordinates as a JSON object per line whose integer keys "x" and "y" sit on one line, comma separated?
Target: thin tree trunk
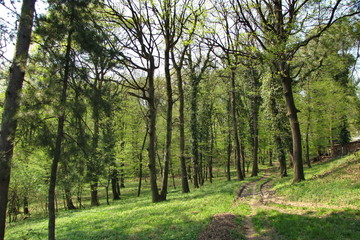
{"x": 194, "y": 132}
{"x": 229, "y": 146}
{"x": 270, "y": 157}
{"x": 141, "y": 162}
{"x": 211, "y": 153}
{"x": 239, "y": 172}
{"x": 59, "y": 137}
{"x": 184, "y": 174}
{"x": 12, "y": 103}
{"x": 255, "y": 123}
{"x": 184, "y": 178}
{"x": 281, "y": 156}
{"x": 114, "y": 184}
{"x": 152, "y": 133}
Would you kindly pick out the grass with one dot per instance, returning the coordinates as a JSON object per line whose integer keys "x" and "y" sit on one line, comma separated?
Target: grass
{"x": 183, "y": 216}
{"x": 334, "y": 184}
{"x": 337, "y": 225}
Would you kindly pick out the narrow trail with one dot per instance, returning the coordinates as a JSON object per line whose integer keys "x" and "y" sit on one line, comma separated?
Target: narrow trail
{"x": 223, "y": 226}
{"x": 260, "y": 196}
{"x": 257, "y": 193}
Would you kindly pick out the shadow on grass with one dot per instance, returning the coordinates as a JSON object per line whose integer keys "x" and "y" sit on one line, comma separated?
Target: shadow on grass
{"x": 335, "y": 226}
{"x": 171, "y": 230}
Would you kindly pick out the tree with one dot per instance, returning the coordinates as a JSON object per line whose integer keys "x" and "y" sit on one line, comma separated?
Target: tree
{"x": 60, "y": 127}
{"x": 281, "y": 28}
{"x": 12, "y": 103}
{"x": 197, "y": 71}
{"x": 137, "y": 25}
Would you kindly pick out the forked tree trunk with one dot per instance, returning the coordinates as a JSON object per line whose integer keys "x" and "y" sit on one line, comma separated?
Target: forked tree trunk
{"x": 11, "y": 105}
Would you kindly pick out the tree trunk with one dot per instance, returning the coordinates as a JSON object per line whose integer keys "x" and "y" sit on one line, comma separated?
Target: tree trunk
{"x": 281, "y": 155}
{"x": 152, "y": 133}
{"x": 255, "y": 122}
{"x": 141, "y": 162}
{"x": 294, "y": 123}
{"x": 211, "y": 153}
{"x": 26, "y": 206}
{"x": 307, "y": 140}
{"x": 59, "y": 137}
{"x": 228, "y": 164}
{"x": 184, "y": 178}
{"x": 168, "y": 118}
{"x": 122, "y": 175}
{"x": 229, "y": 146}
{"x": 68, "y": 198}
{"x": 194, "y": 132}
{"x": 114, "y": 184}
{"x": 94, "y": 194}
{"x": 239, "y": 172}
{"x": 11, "y": 105}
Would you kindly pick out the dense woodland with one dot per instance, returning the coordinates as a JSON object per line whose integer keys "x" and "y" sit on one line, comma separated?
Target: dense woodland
{"x": 100, "y": 93}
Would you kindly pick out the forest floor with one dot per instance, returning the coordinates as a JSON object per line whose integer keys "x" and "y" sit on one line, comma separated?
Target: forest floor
{"x": 325, "y": 206}
{"x": 265, "y": 203}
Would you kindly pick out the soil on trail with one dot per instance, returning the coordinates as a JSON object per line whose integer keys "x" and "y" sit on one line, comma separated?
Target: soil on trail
{"x": 224, "y": 227}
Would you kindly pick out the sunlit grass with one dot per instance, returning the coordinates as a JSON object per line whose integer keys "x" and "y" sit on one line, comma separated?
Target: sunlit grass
{"x": 335, "y": 182}
{"x": 183, "y": 216}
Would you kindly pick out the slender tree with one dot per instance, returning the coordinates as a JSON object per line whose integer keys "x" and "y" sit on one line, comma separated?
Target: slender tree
{"x": 12, "y": 103}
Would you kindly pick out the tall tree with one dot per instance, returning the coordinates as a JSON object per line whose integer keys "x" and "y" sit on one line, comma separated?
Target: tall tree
{"x": 60, "y": 126}
{"x": 12, "y": 103}
{"x": 197, "y": 68}
{"x": 136, "y": 24}
{"x": 281, "y": 28}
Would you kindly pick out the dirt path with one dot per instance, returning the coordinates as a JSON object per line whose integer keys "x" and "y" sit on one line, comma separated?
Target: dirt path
{"x": 257, "y": 192}
{"x": 223, "y": 226}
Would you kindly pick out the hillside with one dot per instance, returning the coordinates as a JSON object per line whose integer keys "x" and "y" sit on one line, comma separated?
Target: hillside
{"x": 325, "y": 206}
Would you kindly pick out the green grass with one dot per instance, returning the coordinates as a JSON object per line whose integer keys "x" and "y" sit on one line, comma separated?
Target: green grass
{"x": 344, "y": 225}
{"x": 335, "y": 182}
{"x": 183, "y": 216}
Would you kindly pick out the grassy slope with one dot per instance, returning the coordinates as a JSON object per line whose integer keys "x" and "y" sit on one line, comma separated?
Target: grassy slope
{"x": 335, "y": 188}
{"x": 183, "y": 216}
